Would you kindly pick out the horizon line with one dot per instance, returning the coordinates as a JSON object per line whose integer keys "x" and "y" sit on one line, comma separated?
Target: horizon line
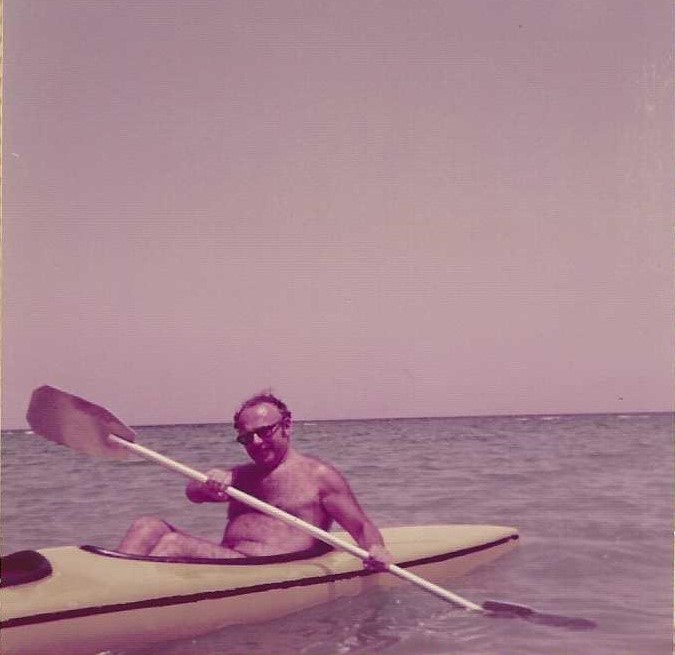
{"x": 417, "y": 418}
{"x": 397, "y": 418}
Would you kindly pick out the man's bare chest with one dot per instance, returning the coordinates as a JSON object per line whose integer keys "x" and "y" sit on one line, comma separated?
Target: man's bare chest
{"x": 296, "y": 492}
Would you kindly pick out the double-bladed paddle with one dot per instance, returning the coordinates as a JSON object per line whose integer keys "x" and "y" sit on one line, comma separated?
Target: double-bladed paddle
{"x": 79, "y": 424}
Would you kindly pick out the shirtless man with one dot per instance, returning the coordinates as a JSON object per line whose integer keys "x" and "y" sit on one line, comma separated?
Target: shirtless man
{"x": 279, "y": 475}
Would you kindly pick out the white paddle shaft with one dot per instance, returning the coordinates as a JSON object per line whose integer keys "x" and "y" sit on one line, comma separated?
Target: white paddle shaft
{"x": 277, "y": 513}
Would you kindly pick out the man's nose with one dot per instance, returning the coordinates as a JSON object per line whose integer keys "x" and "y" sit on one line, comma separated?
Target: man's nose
{"x": 256, "y": 439}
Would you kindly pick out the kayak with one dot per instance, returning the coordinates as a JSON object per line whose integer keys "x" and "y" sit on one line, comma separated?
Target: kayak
{"x": 82, "y": 600}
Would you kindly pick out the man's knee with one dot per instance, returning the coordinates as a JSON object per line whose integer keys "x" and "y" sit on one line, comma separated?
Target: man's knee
{"x": 171, "y": 544}
{"x": 170, "y": 540}
{"x": 151, "y": 525}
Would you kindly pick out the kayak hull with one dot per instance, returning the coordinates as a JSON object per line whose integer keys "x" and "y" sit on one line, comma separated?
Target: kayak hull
{"x": 97, "y": 600}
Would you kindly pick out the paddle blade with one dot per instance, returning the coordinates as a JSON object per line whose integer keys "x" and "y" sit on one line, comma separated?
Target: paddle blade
{"x": 501, "y": 609}
{"x": 506, "y": 609}
{"x": 74, "y": 422}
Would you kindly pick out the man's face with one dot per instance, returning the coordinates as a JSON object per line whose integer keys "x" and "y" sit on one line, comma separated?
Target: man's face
{"x": 266, "y": 439}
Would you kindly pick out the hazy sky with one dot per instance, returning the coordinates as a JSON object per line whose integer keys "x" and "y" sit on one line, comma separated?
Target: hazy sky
{"x": 376, "y": 208}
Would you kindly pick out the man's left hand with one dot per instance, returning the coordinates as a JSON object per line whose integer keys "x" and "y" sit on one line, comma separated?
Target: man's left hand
{"x": 379, "y": 558}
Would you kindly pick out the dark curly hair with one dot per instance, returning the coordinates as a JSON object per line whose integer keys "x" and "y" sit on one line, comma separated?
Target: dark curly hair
{"x": 265, "y": 397}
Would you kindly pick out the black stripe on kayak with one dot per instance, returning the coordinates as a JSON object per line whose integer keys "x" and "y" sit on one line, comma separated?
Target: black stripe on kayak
{"x": 241, "y": 591}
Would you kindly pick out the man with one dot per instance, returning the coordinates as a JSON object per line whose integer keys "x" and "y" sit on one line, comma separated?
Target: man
{"x": 279, "y": 475}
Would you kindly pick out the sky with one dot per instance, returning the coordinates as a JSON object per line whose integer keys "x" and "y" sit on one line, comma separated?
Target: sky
{"x": 375, "y": 209}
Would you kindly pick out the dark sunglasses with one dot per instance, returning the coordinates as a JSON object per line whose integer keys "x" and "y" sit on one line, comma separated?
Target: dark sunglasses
{"x": 266, "y": 432}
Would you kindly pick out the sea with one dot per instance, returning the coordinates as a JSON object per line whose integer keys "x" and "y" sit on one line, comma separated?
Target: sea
{"x": 592, "y": 497}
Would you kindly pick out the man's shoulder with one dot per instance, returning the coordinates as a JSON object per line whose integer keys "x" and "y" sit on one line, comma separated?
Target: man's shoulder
{"x": 326, "y": 474}
{"x": 246, "y": 470}
{"x": 316, "y": 464}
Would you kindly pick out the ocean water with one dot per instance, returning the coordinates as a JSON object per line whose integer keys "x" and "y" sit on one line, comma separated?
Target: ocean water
{"x": 591, "y": 495}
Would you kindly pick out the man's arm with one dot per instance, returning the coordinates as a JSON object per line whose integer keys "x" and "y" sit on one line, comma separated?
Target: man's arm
{"x": 212, "y": 490}
{"x": 339, "y": 502}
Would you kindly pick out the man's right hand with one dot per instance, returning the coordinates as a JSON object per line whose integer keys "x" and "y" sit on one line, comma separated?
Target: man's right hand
{"x": 218, "y": 481}
{"x": 211, "y": 491}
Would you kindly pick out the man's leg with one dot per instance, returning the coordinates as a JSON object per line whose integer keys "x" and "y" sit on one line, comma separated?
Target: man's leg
{"x": 178, "y": 544}
{"x": 143, "y": 535}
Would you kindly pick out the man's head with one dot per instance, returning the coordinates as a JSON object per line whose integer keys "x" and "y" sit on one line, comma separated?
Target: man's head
{"x": 263, "y": 425}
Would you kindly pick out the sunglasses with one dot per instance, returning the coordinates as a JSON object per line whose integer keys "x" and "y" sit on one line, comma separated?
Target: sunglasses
{"x": 266, "y": 432}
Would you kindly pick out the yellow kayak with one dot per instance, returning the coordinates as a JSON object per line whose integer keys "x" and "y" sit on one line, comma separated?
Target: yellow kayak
{"x": 82, "y": 600}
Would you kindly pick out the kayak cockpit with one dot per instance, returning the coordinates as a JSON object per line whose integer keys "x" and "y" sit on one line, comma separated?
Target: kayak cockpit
{"x": 316, "y": 551}
{"x": 22, "y": 567}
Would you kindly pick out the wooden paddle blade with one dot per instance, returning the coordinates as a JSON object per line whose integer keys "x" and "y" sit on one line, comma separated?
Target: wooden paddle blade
{"x": 501, "y": 609}
{"x": 74, "y": 422}
{"x": 507, "y": 609}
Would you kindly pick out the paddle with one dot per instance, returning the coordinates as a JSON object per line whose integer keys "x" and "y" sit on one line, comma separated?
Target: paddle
{"x": 78, "y": 424}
